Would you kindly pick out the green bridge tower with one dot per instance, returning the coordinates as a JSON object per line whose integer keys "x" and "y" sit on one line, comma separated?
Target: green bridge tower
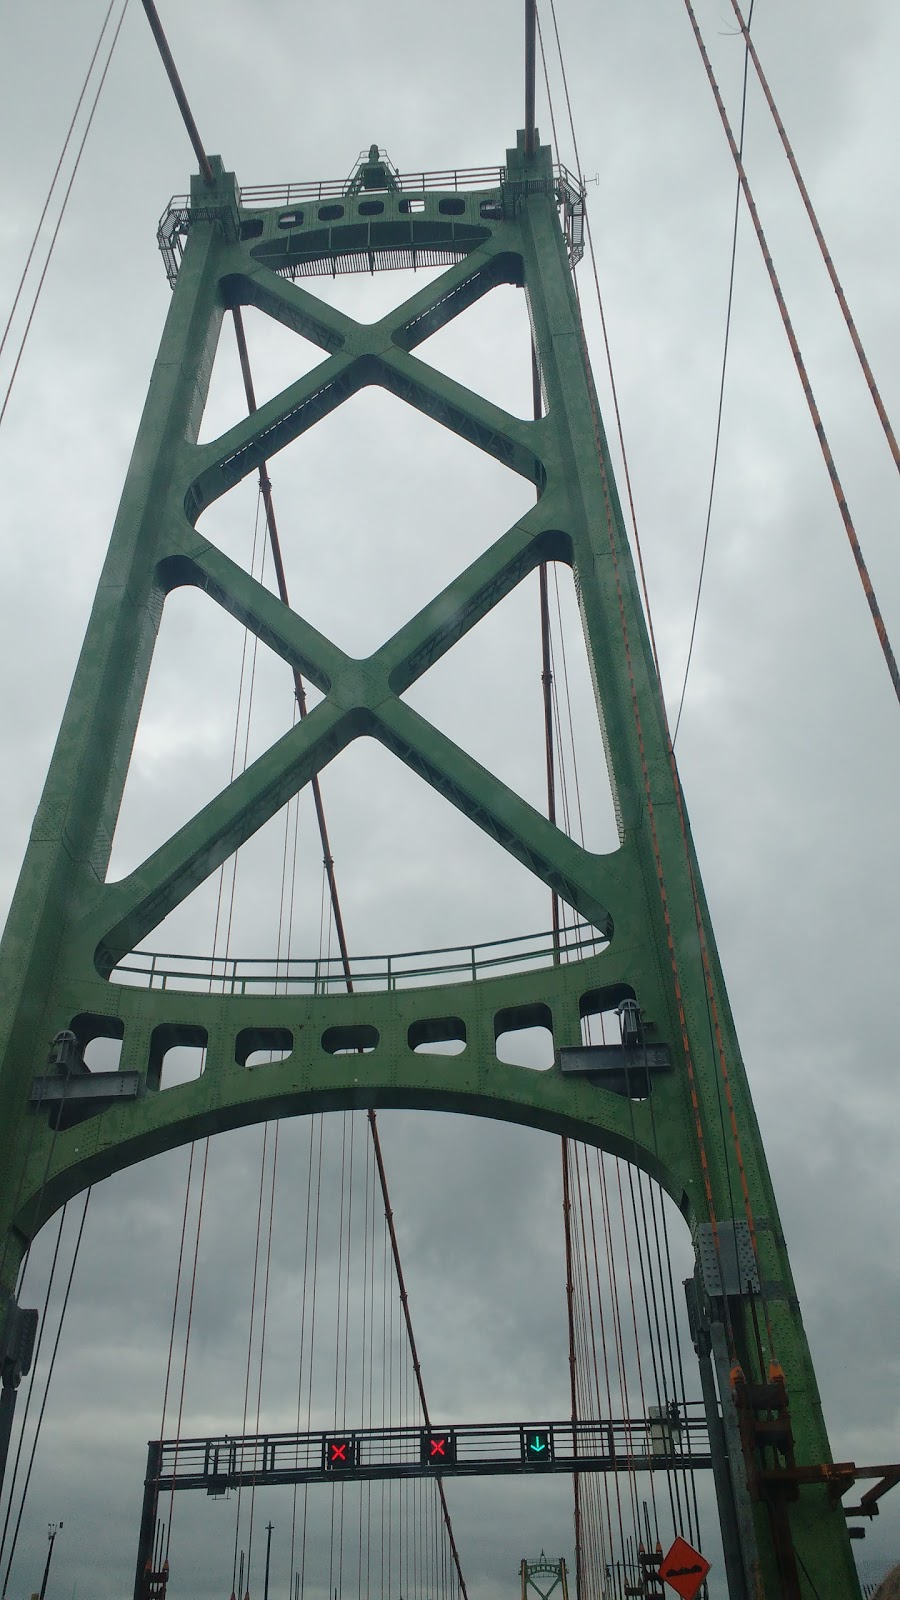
{"x": 653, "y": 1099}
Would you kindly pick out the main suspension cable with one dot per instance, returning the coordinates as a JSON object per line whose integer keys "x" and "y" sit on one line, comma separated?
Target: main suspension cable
{"x": 162, "y": 44}
{"x": 837, "y": 486}
{"x": 53, "y": 181}
{"x": 59, "y": 221}
{"x": 820, "y": 237}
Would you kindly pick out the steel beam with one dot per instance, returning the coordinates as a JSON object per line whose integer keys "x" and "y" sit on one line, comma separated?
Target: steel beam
{"x": 68, "y": 927}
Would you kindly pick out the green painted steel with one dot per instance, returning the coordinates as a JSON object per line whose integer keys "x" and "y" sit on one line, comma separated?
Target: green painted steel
{"x": 68, "y": 928}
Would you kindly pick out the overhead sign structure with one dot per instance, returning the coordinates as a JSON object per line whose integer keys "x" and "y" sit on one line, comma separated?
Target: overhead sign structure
{"x": 537, "y": 1446}
{"x": 437, "y": 1447}
{"x": 684, "y": 1569}
{"x": 341, "y": 1453}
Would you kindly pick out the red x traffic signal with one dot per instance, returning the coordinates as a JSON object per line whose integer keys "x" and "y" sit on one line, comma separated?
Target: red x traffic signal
{"x": 341, "y": 1453}
{"x": 437, "y": 1447}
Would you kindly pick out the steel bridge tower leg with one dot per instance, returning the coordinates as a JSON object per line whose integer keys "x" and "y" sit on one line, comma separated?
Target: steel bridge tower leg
{"x": 64, "y": 1127}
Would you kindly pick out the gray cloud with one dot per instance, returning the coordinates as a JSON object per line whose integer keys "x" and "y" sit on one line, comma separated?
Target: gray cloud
{"x": 788, "y": 747}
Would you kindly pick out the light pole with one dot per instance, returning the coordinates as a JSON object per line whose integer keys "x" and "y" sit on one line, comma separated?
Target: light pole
{"x": 53, "y": 1528}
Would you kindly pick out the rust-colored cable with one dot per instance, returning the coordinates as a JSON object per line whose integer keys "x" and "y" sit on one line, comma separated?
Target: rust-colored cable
{"x": 299, "y": 687}
{"x": 820, "y": 238}
{"x": 837, "y": 486}
{"x": 300, "y": 693}
{"x": 404, "y": 1301}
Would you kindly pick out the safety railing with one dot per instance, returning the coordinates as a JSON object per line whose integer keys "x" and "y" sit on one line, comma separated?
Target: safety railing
{"x": 149, "y": 969}
{"x": 179, "y": 213}
{"x": 677, "y": 1439}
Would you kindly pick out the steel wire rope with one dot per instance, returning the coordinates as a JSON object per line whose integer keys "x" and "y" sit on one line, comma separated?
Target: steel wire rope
{"x": 558, "y": 724}
{"x": 220, "y": 895}
{"x": 590, "y": 1402}
{"x": 49, "y": 1378}
{"x": 336, "y": 1485}
{"x": 690, "y": 1476}
{"x": 800, "y": 364}
{"x": 568, "y": 721}
{"x": 248, "y": 719}
{"x": 56, "y": 1124}
{"x": 666, "y": 1349}
{"x": 265, "y": 486}
{"x": 547, "y": 675}
{"x": 390, "y": 1412}
{"x": 573, "y": 1364}
{"x": 690, "y": 1473}
{"x": 55, "y": 234}
{"x": 312, "y": 1343}
{"x": 547, "y": 688}
{"x": 42, "y": 1323}
{"x": 262, "y": 1333}
{"x": 187, "y": 1338}
{"x": 687, "y": 1051}
{"x": 266, "y": 490}
{"x": 300, "y": 1372}
{"x": 345, "y": 1354}
{"x": 383, "y": 1246}
{"x": 56, "y": 171}
{"x": 598, "y": 1529}
{"x": 654, "y": 1330}
{"x": 614, "y": 392}
{"x": 616, "y": 1308}
{"x": 592, "y": 1344}
{"x": 652, "y": 1324}
{"x": 819, "y": 235}
{"x": 237, "y": 1517}
{"x": 646, "y": 600}
{"x": 181, "y": 1244}
{"x": 721, "y": 398}
{"x": 218, "y": 913}
{"x": 364, "y": 1364}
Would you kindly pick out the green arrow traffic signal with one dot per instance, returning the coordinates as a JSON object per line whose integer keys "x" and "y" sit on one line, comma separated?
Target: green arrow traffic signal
{"x": 537, "y": 1446}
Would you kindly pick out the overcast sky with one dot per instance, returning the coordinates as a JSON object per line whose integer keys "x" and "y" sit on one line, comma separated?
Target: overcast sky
{"x": 789, "y": 742}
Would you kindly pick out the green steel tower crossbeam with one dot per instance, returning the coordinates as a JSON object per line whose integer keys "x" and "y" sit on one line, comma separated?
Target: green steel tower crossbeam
{"x": 655, "y": 1100}
{"x": 535, "y": 1575}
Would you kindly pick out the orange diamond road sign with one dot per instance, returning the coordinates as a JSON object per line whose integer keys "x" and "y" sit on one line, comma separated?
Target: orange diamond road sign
{"x": 684, "y": 1569}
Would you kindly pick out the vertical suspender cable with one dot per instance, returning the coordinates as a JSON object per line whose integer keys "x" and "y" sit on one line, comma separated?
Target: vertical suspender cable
{"x": 299, "y": 687}
{"x": 50, "y": 1370}
{"x": 300, "y": 693}
{"x": 606, "y": 345}
{"x": 721, "y": 400}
